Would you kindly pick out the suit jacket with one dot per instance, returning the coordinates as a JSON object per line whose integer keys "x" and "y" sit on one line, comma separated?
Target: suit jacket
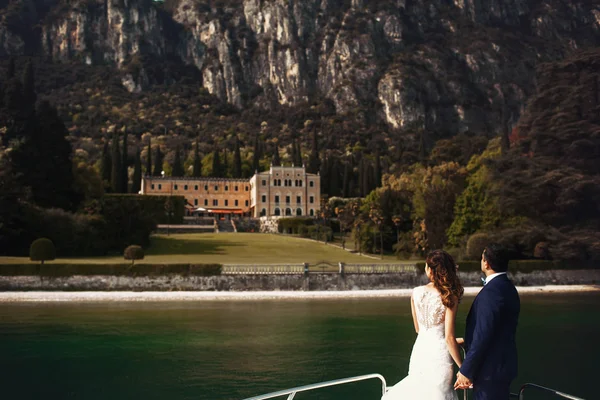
{"x": 490, "y": 333}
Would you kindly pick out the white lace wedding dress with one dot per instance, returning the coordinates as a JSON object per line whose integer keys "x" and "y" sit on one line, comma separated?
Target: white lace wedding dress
{"x": 430, "y": 372}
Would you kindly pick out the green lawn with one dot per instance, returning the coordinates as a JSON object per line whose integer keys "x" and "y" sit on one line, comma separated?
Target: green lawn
{"x": 230, "y": 248}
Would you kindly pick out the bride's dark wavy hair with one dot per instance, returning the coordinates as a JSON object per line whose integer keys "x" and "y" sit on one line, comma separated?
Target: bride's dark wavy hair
{"x": 445, "y": 277}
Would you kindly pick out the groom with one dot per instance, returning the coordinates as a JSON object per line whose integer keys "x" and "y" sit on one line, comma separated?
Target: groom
{"x": 491, "y": 360}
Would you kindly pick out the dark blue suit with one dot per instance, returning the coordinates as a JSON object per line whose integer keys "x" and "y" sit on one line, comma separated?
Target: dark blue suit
{"x": 491, "y": 359}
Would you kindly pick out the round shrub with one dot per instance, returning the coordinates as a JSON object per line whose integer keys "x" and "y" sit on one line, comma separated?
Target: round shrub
{"x": 542, "y": 250}
{"x": 134, "y": 252}
{"x": 42, "y": 250}
{"x": 476, "y": 244}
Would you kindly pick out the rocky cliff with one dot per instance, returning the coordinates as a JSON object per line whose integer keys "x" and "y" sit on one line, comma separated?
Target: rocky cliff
{"x": 441, "y": 64}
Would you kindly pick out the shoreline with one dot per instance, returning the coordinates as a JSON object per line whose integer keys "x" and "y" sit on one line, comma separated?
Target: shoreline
{"x": 56, "y": 296}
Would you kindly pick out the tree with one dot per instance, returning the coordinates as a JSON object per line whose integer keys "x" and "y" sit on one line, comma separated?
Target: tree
{"x": 134, "y": 252}
{"x": 177, "y": 170}
{"x": 106, "y": 163}
{"x": 237, "y": 159}
{"x": 50, "y": 177}
{"x": 42, "y": 250}
{"x": 314, "y": 163}
{"x": 125, "y": 165}
{"x": 158, "y": 162}
{"x": 116, "y": 178}
{"x": 149, "y": 158}
{"x": 197, "y": 168}
{"x": 137, "y": 173}
{"x": 12, "y": 226}
{"x": 276, "y": 161}
{"x": 256, "y": 156}
{"x": 377, "y": 170}
{"x": 29, "y": 95}
{"x": 216, "y": 164}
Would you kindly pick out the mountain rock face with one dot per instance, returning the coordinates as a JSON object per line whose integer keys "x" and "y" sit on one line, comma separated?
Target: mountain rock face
{"x": 440, "y": 64}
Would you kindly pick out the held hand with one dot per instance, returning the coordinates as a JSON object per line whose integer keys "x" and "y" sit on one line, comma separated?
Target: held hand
{"x": 460, "y": 341}
{"x": 462, "y": 382}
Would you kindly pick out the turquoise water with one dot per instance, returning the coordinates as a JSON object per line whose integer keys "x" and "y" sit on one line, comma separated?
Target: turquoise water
{"x": 237, "y": 349}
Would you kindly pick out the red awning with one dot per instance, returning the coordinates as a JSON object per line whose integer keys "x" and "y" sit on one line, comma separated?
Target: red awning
{"x": 224, "y": 211}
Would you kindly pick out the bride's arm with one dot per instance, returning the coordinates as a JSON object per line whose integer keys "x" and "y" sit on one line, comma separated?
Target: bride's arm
{"x": 414, "y": 314}
{"x": 451, "y": 342}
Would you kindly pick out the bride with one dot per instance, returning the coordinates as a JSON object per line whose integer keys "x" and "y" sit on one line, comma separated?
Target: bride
{"x": 430, "y": 372}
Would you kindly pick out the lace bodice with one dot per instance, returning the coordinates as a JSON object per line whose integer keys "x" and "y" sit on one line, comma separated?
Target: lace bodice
{"x": 429, "y": 308}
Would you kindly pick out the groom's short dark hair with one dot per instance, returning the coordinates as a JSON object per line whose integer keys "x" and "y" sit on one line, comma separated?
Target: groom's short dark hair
{"x": 497, "y": 256}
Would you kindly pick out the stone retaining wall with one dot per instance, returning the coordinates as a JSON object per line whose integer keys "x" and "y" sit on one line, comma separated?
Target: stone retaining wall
{"x": 291, "y": 282}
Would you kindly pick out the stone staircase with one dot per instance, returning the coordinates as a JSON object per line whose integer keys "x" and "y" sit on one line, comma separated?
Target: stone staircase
{"x": 225, "y": 226}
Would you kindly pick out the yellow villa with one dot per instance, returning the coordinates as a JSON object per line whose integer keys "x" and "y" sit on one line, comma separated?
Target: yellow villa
{"x": 280, "y": 191}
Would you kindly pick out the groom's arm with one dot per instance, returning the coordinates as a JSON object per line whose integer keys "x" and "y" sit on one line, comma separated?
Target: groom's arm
{"x": 486, "y": 320}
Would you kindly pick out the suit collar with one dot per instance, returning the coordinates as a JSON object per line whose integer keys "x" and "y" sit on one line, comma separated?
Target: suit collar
{"x": 493, "y": 276}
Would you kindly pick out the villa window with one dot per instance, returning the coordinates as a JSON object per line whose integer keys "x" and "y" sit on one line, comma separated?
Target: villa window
{"x": 152, "y": 186}
{"x": 298, "y": 199}
{"x": 175, "y": 187}
{"x": 159, "y": 186}
{"x": 246, "y": 202}
{"x": 312, "y": 184}
{"x": 299, "y": 212}
{"x": 287, "y": 200}
{"x": 264, "y": 182}
{"x": 277, "y": 199}
{"x": 288, "y": 211}
{"x": 236, "y": 203}
{"x": 206, "y": 187}
{"x": 300, "y": 183}
{"x": 215, "y": 202}
{"x": 216, "y": 187}
{"x": 311, "y": 199}
{"x": 205, "y": 202}
{"x": 195, "y": 202}
{"x": 312, "y": 212}
{"x": 195, "y": 187}
{"x": 277, "y": 212}
{"x": 246, "y": 188}
{"x": 226, "y": 188}
{"x": 263, "y": 198}
{"x": 226, "y": 203}
{"x": 185, "y": 187}
{"x": 263, "y": 212}
{"x": 235, "y": 188}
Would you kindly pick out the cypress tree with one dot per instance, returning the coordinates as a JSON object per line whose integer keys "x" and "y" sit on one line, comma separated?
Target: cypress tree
{"x": 106, "y": 163}
{"x": 149, "y": 158}
{"x": 256, "y": 156}
{"x": 29, "y": 95}
{"x": 43, "y": 161}
{"x": 334, "y": 177}
{"x": 298, "y": 160}
{"x": 237, "y": 160}
{"x": 158, "y": 162}
{"x": 346, "y": 179}
{"x": 177, "y": 169}
{"x": 10, "y": 73}
{"x": 293, "y": 153}
{"x": 197, "y": 169}
{"x": 216, "y": 164}
{"x": 324, "y": 173}
{"x": 116, "y": 173}
{"x": 377, "y": 171}
{"x": 276, "y": 160}
{"x": 225, "y": 164}
{"x": 137, "y": 173}
{"x": 314, "y": 163}
{"x": 124, "y": 166}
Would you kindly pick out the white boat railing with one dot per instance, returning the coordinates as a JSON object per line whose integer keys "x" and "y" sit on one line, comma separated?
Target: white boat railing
{"x": 292, "y": 392}
{"x": 521, "y": 395}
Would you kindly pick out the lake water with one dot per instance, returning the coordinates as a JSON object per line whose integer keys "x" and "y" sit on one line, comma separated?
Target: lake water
{"x": 237, "y": 349}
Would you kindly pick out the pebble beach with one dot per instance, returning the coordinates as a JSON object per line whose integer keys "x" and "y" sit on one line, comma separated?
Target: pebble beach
{"x": 56, "y": 296}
